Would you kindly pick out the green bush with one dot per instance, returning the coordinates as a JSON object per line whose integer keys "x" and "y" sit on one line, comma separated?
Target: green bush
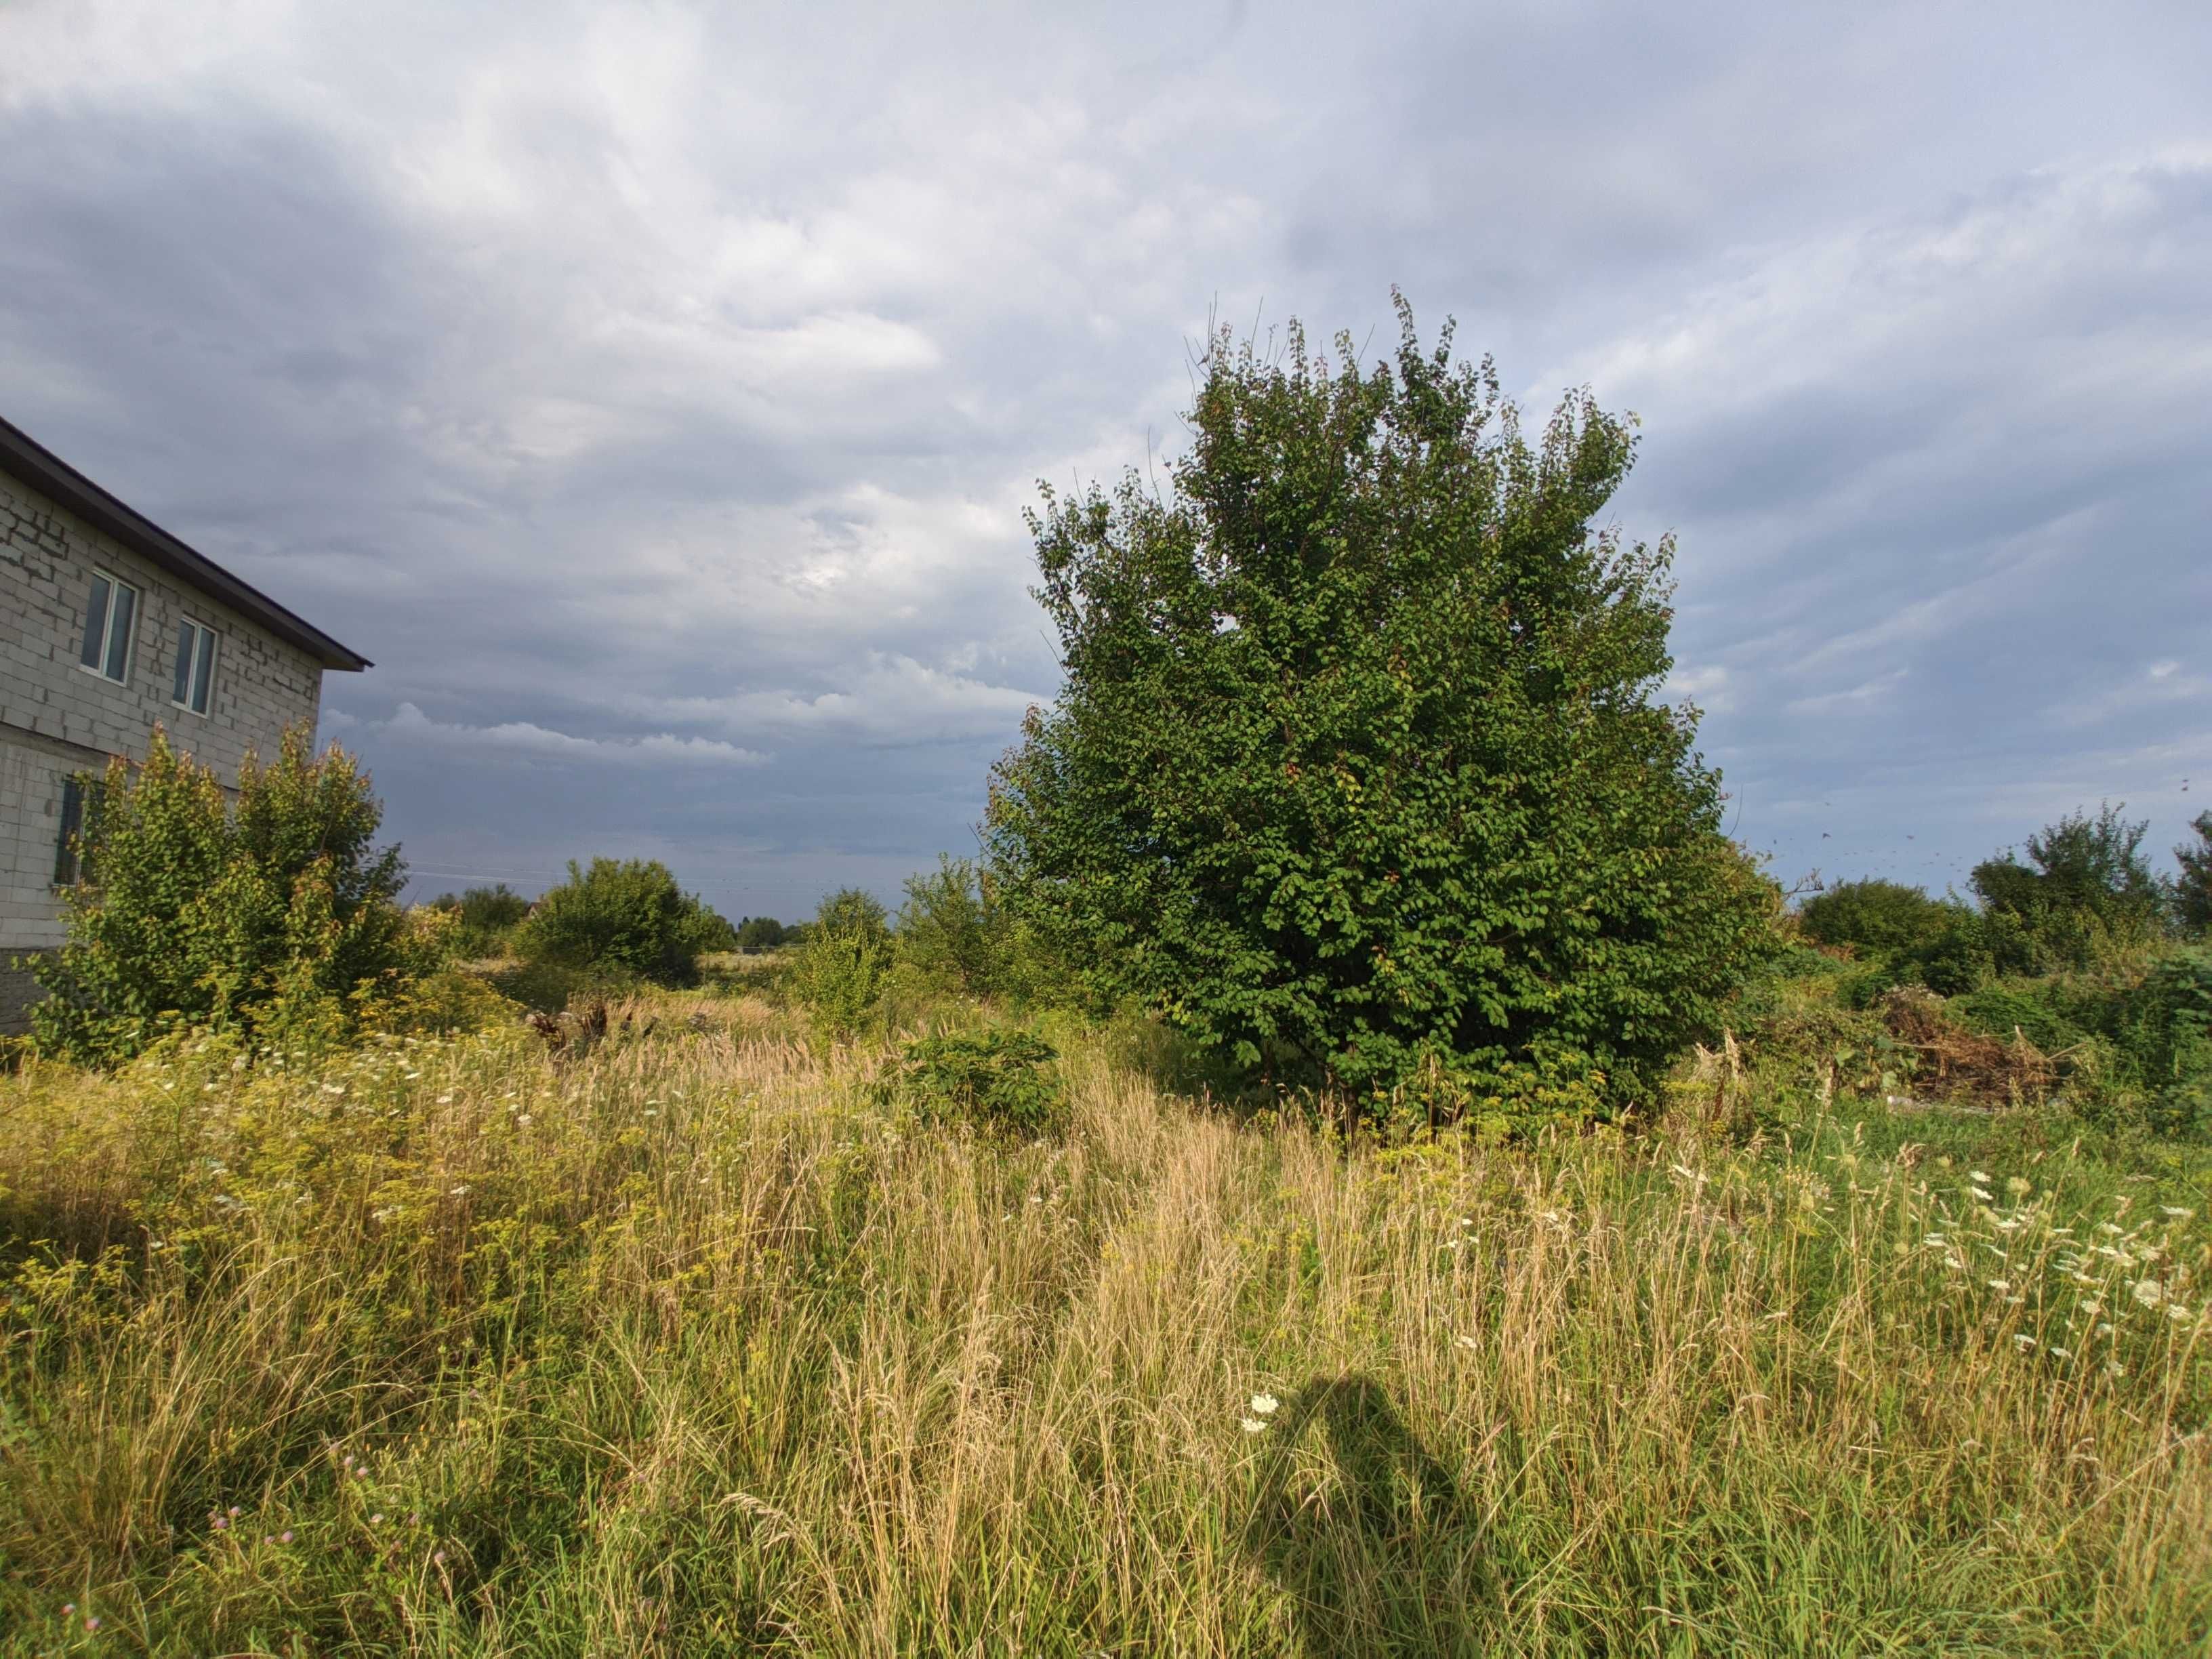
{"x": 2084, "y": 894}
{"x": 761, "y": 933}
{"x": 1356, "y": 768}
{"x": 1004, "y": 1082}
{"x": 952, "y": 934}
{"x": 192, "y": 911}
{"x": 2192, "y": 888}
{"x": 629, "y": 916}
{"x": 485, "y": 918}
{"x": 840, "y": 970}
{"x": 1884, "y": 918}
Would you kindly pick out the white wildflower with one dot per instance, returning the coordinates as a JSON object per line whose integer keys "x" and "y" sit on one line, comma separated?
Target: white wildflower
{"x": 2000, "y": 1284}
{"x": 2148, "y": 1291}
{"x": 1253, "y": 1426}
{"x": 2177, "y": 1211}
{"x": 1263, "y": 1405}
{"x": 1979, "y": 1174}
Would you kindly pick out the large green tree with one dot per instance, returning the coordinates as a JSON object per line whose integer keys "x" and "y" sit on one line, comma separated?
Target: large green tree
{"x": 1357, "y": 757}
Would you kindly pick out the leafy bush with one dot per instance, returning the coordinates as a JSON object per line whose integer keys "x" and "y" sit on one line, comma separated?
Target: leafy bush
{"x": 1356, "y": 765}
{"x": 485, "y": 918}
{"x": 195, "y": 911}
{"x": 841, "y": 968}
{"x": 760, "y": 932}
{"x": 2193, "y": 889}
{"x": 1884, "y": 918}
{"x": 2083, "y": 894}
{"x": 1005, "y": 1083}
{"x": 950, "y": 931}
{"x": 627, "y": 915}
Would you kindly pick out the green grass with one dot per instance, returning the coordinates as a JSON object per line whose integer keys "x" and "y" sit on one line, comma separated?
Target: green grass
{"x": 700, "y": 1343}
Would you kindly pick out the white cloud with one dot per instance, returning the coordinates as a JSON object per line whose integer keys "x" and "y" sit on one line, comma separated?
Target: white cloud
{"x": 410, "y": 726}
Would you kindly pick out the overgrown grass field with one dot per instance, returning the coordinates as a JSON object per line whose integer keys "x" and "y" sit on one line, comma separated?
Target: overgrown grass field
{"x": 698, "y": 1342}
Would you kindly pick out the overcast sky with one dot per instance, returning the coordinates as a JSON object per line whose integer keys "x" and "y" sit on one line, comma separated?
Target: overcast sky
{"x": 652, "y": 391}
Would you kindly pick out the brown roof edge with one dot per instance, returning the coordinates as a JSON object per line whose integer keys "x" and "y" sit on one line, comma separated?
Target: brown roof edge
{"x": 23, "y": 458}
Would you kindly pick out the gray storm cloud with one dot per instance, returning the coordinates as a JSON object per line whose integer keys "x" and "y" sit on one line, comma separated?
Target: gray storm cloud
{"x": 653, "y": 392}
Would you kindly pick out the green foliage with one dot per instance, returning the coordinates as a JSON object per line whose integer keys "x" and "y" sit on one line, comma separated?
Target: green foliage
{"x": 1003, "y": 1082}
{"x": 629, "y": 916}
{"x": 2083, "y": 892}
{"x": 485, "y": 918}
{"x": 1875, "y": 917}
{"x": 951, "y": 933}
{"x": 760, "y": 932}
{"x": 841, "y": 968}
{"x": 1356, "y": 765}
{"x": 2192, "y": 888}
{"x": 194, "y": 912}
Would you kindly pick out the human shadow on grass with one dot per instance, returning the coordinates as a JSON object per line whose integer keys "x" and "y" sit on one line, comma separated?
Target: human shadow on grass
{"x": 1367, "y": 1534}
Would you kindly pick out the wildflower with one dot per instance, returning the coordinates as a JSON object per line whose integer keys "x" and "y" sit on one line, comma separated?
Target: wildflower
{"x": 223, "y": 1523}
{"x": 1253, "y": 1426}
{"x": 461, "y": 1191}
{"x": 2104, "y": 1330}
{"x": 1985, "y": 1194}
{"x": 68, "y": 1609}
{"x": 2000, "y": 1286}
{"x": 376, "y": 1520}
{"x": 2107, "y": 1227}
{"x": 2008, "y": 1223}
{"x": 1263, "y": 1405}
{"x": 1935, "y": 1238}
{"x": 438, "y": 1559}
{"x": 1468, "y": 1342}
{"x": 285, "y": 1536}
{"x": 2018, "y": 1185}
{"x": 525, "y": 1118}
{"x": 1449, "y": 1244}
{"x": 2148, "y": 1291}
{"x": 91, "y": 1623}
{"x": 2092, "y": 1306}
{"x": 2060, "y": 1353}
{"x": 2176, "y": 1312}
{"x": 2026, "y": 1342}
{"x": 445, "y": 1100}
{"x": 2177, "y": 1211}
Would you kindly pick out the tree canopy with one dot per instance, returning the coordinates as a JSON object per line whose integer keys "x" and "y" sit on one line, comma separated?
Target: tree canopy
{"x": 1357, "y": 758}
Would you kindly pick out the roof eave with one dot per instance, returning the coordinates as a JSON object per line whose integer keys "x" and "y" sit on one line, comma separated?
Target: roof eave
{"x": 24, "y": 459}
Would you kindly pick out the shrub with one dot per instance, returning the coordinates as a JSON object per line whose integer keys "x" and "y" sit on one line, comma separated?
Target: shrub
{"x": 627, "y": 915}
{"x": 2193, "y": 889}
{"x": 195, "y": 911}
{"x": 485, "y": 918}
{"x": 760, "y": 932}
{"x": 1004, "y": 1082}
{"x": 950, "y": 931}
{"x": 842, "y": 966}
{"x": 1875, "y": 917}
{"x": 2083, "y": 893}
{"x": 1356, "y": 764}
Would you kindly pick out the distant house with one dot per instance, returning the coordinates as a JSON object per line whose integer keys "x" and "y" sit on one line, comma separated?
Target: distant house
{"x": 108, "y": 624}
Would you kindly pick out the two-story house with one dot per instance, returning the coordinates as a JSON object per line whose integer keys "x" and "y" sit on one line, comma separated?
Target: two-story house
{"x": 109, "y": 625}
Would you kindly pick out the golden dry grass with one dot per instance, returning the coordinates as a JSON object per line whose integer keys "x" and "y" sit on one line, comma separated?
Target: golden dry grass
{"x": 695, "y": 1345}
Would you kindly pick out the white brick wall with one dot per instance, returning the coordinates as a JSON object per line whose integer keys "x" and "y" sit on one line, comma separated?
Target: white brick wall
{"x": 57, "y": 717}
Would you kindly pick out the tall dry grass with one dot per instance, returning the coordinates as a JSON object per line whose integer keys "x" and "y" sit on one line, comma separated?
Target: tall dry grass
{"x": 694, "y": 1344}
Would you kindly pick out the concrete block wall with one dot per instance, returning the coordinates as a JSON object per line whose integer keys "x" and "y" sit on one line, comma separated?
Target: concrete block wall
{"x": 58, "y": 717}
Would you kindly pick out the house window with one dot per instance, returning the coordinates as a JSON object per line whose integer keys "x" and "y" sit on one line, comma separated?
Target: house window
{"x": 194, "y": 665}
{"x": 80, "y": 817}
{"x": 108, "y": 619}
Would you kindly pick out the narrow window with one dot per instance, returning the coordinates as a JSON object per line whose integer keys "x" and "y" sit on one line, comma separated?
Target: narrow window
{"x": 109, "y": 615}
{"x": 65, "y": 847}
{"x": 194, "y": 666}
